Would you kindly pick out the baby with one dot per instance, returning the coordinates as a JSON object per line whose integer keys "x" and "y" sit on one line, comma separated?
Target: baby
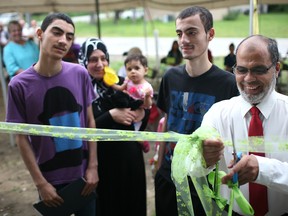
{"x": 135, "y": 84}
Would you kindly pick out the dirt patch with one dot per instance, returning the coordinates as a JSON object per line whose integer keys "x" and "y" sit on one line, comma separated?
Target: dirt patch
{"x": 17, "y": 191}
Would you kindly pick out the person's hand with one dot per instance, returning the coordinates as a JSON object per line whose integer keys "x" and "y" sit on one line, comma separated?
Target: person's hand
{"x": 247, "y": 169}
{"x": 19, "y": 71}
{"x": 148, "y": 92}
{"x": 213, "y": 150}
{"x": 92, "y": 180}
{"x": 123, "y": 116}
{"x": 49, "y": 195}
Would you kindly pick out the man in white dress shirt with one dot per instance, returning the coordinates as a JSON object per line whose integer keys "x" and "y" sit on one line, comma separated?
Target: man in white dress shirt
{"x": 257, "y": 67}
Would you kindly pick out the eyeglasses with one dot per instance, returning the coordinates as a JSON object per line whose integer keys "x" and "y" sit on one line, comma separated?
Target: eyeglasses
{"x": 258, "y": 70}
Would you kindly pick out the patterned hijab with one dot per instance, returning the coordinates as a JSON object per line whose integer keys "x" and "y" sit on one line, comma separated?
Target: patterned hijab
{"x": 88, "y": 47}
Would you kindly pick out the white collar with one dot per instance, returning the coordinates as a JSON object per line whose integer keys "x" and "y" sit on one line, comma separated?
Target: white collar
{"x": 265, "y": 106}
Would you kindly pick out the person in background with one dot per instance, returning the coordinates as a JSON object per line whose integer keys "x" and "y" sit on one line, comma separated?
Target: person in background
{"x": 73, "y": 53}
{"x": 122, "y": 185}
{"x": 25, "y": 28}
{"x": 133, "y": 50}
{"x": 19, "y": 54}
{"x": 257, "y": 67}
{"x": 186, "y": 93}
{"x": 174, "y": 56}
{"x": 230, "y": 59}
{"x": 53, "y": 92}
{"x": 4, "y": 36}
{"x": 31, "y": 32}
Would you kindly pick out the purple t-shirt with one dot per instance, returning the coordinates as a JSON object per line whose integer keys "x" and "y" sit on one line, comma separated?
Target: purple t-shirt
{"x": 60, "y": 100}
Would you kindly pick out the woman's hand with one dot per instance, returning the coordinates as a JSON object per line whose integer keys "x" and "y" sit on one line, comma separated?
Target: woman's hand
{"x": 123, "y": 116}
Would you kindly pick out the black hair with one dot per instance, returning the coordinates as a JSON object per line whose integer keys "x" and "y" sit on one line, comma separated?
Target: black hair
{"x": 55, "y": 16}
{"x": 205, "y": 16}
{"x": 137, "y": 57}
{"x": 13, "y": 22}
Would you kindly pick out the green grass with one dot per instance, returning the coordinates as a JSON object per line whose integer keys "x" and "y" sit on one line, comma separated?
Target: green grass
{"x": 126, "y": 28}
{"x": 272, "y": 25}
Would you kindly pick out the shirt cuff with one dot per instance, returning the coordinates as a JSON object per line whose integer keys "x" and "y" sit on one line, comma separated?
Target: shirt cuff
{"x": 265, "y": 170}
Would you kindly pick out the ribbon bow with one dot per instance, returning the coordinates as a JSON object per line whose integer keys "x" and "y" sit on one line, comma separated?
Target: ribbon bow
{"x": 188, "y": 161}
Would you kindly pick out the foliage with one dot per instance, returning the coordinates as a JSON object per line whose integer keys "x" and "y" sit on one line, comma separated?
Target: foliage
{"x": 278, "y": 8}
{"x": 271, "y": 25}
{"x": 232, "y": 15}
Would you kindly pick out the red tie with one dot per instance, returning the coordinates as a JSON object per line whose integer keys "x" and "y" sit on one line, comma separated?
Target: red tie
{"x": 257, "y": 193}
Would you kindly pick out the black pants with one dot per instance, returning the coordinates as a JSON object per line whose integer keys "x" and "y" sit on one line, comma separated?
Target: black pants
{"x": 165, "y": 198}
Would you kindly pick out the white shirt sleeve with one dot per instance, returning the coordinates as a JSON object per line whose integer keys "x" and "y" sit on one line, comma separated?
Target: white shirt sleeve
{"x": 273, "y": 173}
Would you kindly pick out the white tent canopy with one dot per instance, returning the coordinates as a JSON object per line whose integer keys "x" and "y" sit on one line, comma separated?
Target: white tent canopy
{"x": 36, "y": 6}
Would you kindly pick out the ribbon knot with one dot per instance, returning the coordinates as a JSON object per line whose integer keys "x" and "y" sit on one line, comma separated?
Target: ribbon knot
{"x": 188, "y": 161}
{"x": 220, "y": 201}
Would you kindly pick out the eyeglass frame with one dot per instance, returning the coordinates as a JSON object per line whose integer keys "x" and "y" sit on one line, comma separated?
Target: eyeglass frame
{"x": 246, "y": 70}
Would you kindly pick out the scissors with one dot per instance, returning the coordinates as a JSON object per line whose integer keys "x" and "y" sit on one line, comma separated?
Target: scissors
{"x": 237, "y": 156}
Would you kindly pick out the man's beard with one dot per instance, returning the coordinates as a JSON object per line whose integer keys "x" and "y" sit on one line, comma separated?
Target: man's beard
{"x": 256, "y": 99}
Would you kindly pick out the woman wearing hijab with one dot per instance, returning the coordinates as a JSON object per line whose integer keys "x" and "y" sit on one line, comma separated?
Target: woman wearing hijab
{"x": 122, "y": 184}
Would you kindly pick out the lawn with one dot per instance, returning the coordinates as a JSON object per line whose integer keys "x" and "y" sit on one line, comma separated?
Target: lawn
{"x": 273, "y": 25}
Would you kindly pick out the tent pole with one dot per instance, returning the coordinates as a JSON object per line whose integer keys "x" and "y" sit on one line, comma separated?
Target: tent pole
{"x": 145, "y": 30}
{"x": 98, "y": 19}
{"x": 253, "y": 18}
{"x": 156, "y": 37}
{"x": 251, "y": 14}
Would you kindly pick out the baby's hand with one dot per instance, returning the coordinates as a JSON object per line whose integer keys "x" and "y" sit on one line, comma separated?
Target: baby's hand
{"x": 126, "y": 79}
{"x": 148, "y": 92}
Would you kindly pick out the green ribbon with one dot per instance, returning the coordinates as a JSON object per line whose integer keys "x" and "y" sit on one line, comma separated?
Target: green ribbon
{"x": 188, "y": 161}
{"x": 95, "y": 134}
{"x": 243, "y": 204}
{"x": 87, "y": 134}
{"x": 215, "y": 193}
{"x": 235, "y": 194}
